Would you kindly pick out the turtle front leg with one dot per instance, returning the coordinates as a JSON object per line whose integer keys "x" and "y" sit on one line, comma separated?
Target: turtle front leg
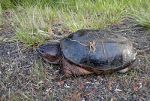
{"x": 73, "y": 70}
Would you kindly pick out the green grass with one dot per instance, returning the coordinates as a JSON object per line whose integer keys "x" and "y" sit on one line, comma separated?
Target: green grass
{"x": 32, "y": 24}
{"x": 32, "y": 19}
{"x": 0, "y": 15}
{"x": 140, "y": 11}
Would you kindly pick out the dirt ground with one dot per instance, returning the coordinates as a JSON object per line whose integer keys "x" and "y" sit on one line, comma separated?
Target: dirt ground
{"x": 25, "y": 77}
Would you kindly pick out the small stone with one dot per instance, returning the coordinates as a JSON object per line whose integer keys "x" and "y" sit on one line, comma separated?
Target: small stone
{"x": 41, "y": 82}
{"x": 118, "y": 90}
{"x": 83, "y": 99}
{"x": 66, "y": 86}
{"x": 8, "y": 53}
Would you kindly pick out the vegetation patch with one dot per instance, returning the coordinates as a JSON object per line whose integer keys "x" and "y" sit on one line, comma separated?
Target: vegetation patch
{"x": 30, "y": 17}
{"x": 140, "y": 11}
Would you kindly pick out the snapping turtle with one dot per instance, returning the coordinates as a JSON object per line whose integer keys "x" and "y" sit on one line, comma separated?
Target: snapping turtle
{"x": 90, "y": 51}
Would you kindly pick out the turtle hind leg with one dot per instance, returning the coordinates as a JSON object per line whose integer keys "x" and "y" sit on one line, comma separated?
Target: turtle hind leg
{"x": 127, "y": 67}
{"x": 124, "y": 70}
{"x": 73, "y": 70}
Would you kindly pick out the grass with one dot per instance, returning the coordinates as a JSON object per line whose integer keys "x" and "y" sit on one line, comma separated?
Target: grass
{"x": 73, "y": 15}
{"x": 0, "y": 15}
{"x": 33, "y": 20}
{"x": 140, "y": 11}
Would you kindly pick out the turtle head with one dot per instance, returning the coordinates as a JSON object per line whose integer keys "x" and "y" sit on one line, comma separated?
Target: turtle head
{"x": 50, "y": 52}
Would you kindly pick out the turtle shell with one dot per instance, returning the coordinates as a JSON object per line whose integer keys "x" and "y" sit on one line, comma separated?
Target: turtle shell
{"x": 101, "y": 50}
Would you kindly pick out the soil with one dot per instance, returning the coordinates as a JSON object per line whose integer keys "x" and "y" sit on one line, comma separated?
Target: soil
{"x": 25, "y": 76}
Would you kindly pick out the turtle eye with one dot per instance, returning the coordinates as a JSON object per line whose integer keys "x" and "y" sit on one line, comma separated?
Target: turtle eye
{"x": 41, "y": 51}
